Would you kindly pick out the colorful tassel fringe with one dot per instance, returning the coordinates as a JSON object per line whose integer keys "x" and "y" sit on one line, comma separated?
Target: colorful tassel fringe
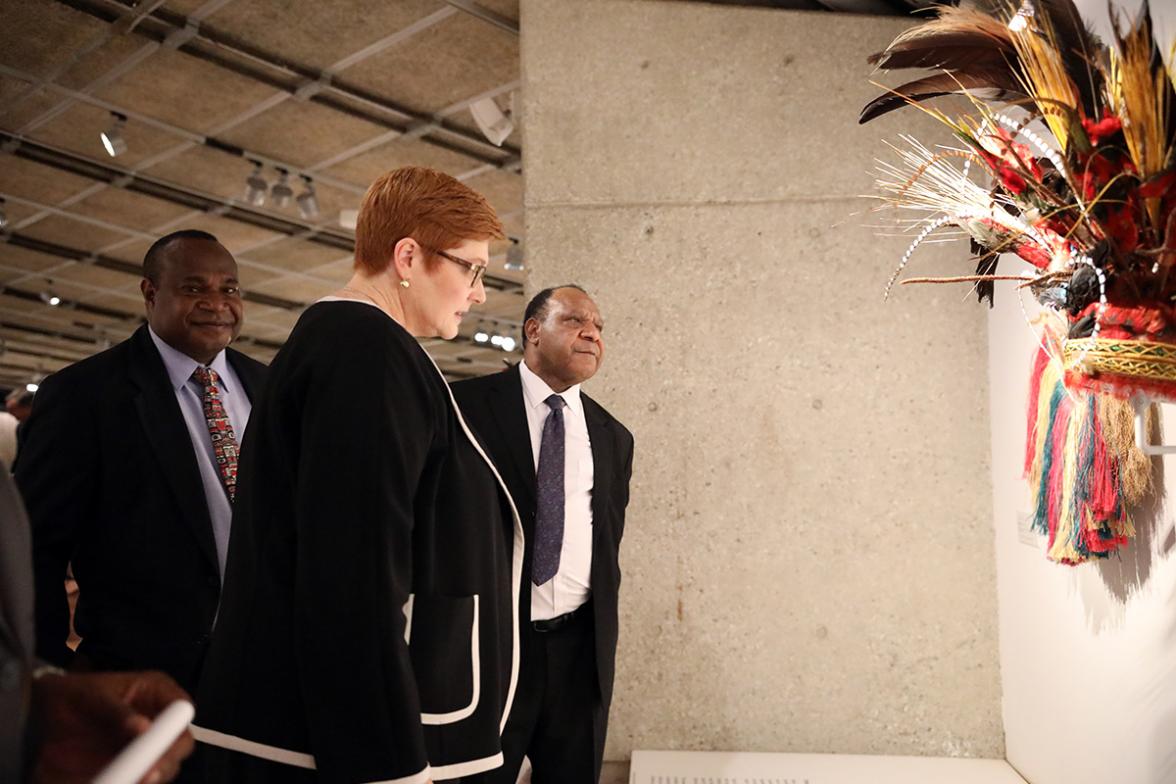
{"x": 1082, "y": 482}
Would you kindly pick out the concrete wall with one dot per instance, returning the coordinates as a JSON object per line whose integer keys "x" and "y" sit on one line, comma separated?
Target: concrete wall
{"x": 1088, "y": 654}
{"x": 809, "y": 553}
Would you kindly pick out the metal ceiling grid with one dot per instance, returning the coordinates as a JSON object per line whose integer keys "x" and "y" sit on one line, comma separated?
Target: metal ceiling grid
{"x": 60, "y": 98}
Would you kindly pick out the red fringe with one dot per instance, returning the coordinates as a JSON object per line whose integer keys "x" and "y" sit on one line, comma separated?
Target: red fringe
{"x": 1121, "y": 386}
{"x": 1039, "y": 363}
{"x": 1104, "y": 493}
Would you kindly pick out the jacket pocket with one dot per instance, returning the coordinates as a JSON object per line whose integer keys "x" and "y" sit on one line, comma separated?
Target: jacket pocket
{"x": 442, "y": 636}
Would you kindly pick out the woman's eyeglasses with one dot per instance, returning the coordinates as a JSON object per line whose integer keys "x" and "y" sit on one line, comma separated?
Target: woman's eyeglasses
{"x": 476, "y": 270}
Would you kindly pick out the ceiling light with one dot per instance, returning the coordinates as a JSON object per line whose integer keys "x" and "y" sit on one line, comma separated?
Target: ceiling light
{"x": 308, "y": 206}
{"x": 508, "y": 344}
{"x": 496, "y": 340}
{"x": 493, "y": 124}
{"x": 282, "y": 192}
{"x": 256, "y": 187}
{"x": 50, "y": 298}
{"x": 481, "y": 337}
{"x": 112, "y": 138}
{"x": 32, "y": 387}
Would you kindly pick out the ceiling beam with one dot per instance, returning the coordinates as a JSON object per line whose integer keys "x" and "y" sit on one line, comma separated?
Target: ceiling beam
{"x": 126, "y": 267}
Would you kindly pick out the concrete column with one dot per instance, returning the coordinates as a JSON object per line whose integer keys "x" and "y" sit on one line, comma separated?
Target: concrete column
{"x": 809, "y": 552}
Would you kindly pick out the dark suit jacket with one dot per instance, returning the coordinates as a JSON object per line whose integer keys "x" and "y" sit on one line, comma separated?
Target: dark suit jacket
{"x": 493, "y": 406}
{"x": 109, "y": 475}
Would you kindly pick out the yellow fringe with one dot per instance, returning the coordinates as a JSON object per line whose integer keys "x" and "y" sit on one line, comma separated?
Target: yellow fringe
{"x": 1068, "y": 531}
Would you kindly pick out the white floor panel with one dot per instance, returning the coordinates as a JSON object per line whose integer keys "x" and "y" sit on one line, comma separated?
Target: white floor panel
{"x": 715, "y": 767}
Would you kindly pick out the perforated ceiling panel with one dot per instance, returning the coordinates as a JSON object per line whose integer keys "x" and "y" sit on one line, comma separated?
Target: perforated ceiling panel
{"x": 339, "y": 92}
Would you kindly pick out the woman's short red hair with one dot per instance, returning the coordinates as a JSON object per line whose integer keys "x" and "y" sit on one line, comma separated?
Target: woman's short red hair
{"x": 432, "y": 207}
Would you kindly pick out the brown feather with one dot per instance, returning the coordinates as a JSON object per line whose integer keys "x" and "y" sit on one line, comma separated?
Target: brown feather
{"x": 936, "y": 86}
{"x": 956, "y": 39}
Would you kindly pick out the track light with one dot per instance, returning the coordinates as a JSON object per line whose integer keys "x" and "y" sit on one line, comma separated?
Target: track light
{"x": 50, "y": 299}
{"x": 32, "y": 386}
{"x": 281, "y": 193}
{"x": 507, "y": 344}
{"x": 493, "y": 124}
{"x": 514, "y": 256}
{"x": 308, "y": 206}
{"x": 481, "y": 337}
{"x": 112, "y": 138}
{"x": 256, "y": 187}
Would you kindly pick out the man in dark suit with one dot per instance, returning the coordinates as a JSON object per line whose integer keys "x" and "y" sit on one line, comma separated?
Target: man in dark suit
{"x": 567, "y": 463}
{"x": 128, "y": 468}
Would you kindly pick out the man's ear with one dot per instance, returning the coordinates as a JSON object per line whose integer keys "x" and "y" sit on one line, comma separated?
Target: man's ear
{"x": 531, "y": 330}
{"x": 149, "y": 290}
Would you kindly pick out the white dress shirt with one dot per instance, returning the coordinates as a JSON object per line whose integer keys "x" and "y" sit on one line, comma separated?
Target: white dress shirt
{"x": 572, "y": 584}
{"x": 190, "y": 396}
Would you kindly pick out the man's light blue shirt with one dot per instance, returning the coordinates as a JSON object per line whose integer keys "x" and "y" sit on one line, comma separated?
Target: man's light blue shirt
{"x": 190, "y": 396}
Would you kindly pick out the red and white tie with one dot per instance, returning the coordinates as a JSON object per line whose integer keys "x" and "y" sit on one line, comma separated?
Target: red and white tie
{"x": 224, "y": 443}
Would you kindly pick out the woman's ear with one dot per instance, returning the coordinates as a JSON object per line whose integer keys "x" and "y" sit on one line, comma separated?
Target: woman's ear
{"x": 406, "y": 258}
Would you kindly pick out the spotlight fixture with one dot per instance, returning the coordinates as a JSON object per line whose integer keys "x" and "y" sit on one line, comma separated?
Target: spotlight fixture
{"x": 281, "y": 193}
{"x": 493, "y": 124}
{"x": 49, "y": 297}
{"x": 481, "y": 337}
{"x": 514, "y": 256}
{"x": 3, "y": 216}
{"x": 507, "y": 343}
{"x": 32, "y": 386}
{"x": 255, "y": 186}
{"x": 308, "y": 206}
{"x": 112, "y": 138}
{"x": 496, "y": 340}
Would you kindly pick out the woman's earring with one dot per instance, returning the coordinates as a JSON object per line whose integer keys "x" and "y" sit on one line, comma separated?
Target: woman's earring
{"x": 404, "y": 283}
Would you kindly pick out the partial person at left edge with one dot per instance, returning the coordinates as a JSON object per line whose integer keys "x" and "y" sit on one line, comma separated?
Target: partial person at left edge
{"x": 128, "y": 468}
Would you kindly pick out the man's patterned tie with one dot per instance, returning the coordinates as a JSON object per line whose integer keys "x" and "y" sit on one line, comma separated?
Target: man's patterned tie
{"x": 224, "y": 443}
{"x": 549, "y": 482}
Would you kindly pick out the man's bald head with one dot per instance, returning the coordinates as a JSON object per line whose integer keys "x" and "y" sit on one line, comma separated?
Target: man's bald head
{"x": 157, "y": 254}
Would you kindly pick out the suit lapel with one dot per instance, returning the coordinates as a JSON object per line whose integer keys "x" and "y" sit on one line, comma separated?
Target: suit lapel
{"x": 164, "y": 427}
{"x": 506, "y": 408}
{"x": 600, "y": 434}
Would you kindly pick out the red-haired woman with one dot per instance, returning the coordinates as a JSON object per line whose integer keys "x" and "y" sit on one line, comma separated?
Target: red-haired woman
{"x": 368, "y": 627}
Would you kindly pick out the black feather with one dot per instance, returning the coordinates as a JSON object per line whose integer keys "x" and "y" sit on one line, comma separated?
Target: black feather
{"x": 986, "y": 262}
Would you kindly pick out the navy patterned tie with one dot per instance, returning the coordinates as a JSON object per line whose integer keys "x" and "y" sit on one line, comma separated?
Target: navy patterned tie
{"x": 549, "y": 480}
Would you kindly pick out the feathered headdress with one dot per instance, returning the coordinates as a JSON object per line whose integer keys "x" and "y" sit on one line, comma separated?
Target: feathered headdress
{"x": 1067, "y": 158}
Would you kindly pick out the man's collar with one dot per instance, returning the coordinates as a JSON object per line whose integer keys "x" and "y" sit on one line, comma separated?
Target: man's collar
{"x": 180, "y": 366}
{"x": 536, "y": 391}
